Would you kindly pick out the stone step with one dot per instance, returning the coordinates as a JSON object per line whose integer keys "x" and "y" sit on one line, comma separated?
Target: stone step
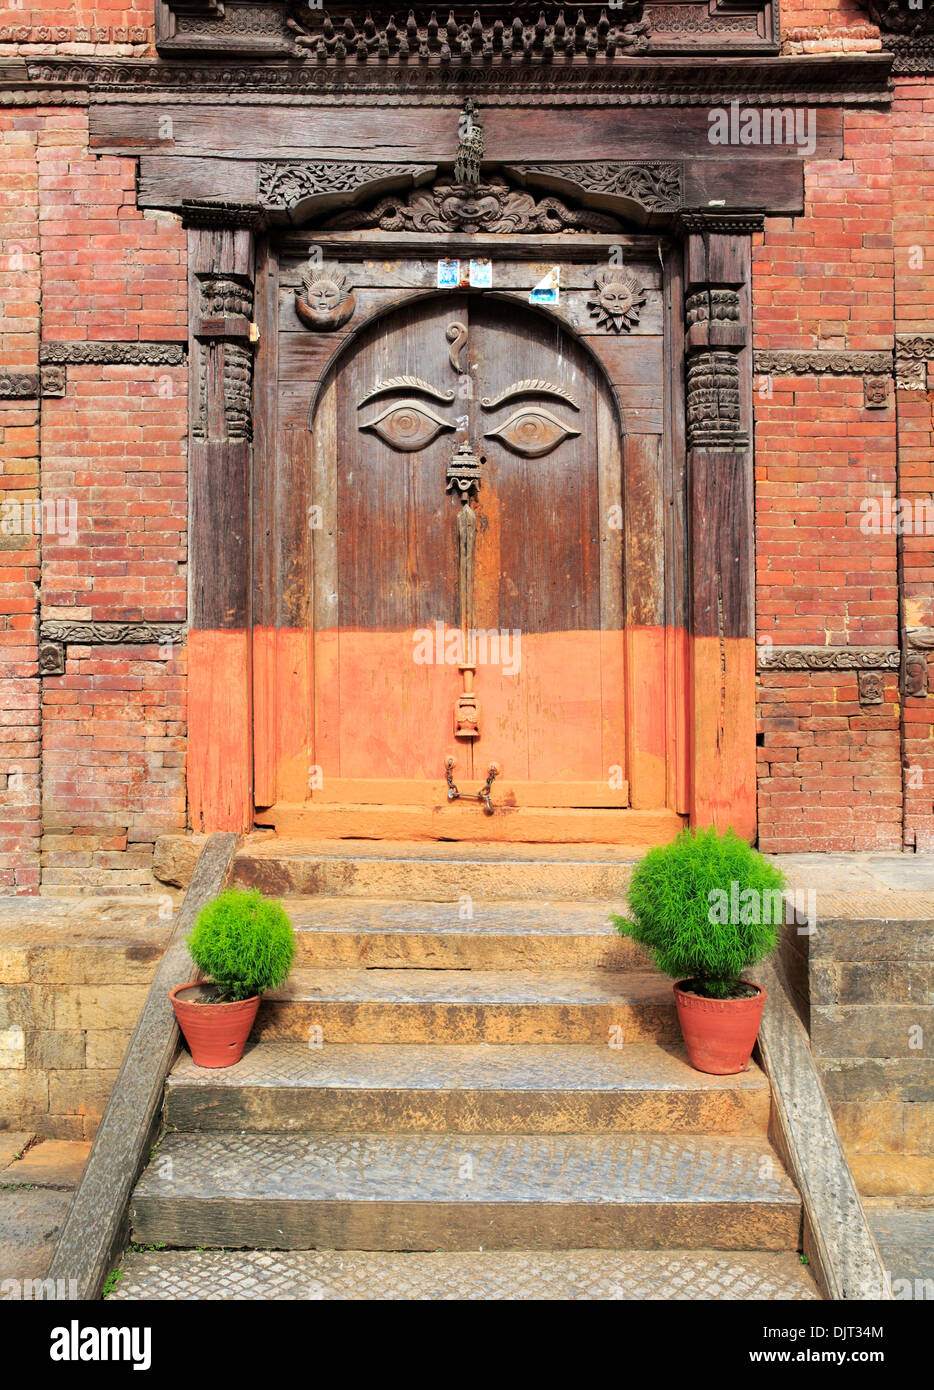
{"x": 513, "y": 1275}
{"x": 432, "y": 870}
{"x": 287, "y": 1087}
{"x": 453, "y": 1192}
{"x": 384, "y": 933}
{"x": 469, "y": 1006}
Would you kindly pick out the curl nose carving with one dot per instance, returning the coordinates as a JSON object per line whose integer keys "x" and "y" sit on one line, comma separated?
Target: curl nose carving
{"x": 456, "y": 334}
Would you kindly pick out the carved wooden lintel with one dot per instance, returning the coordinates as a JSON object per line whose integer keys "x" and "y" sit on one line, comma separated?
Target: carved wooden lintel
{"x": 818, "y": 361}
{"x": 56, "y": 634}
{"x": 121, "y": 354}
{"x": 642, "y": 81}
{"x": 776, "y": 658}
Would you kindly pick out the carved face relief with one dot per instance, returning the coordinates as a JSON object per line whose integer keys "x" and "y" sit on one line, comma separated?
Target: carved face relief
{"x": 617, "y": 299}
{"x": 326, "y": 300}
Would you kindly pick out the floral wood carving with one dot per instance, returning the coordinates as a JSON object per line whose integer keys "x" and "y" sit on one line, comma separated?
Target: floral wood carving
{"x": 775, "y": 658}
{"x": 283, "y": 185}
{"x": 492, "y": 207}
{"x": 655, "y": 187}
{"x": 617, "y": 299}
{"x": 326, "y": 300}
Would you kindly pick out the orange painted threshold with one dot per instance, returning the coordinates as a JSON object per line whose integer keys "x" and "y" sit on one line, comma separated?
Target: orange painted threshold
{"x": 466, "y": 820}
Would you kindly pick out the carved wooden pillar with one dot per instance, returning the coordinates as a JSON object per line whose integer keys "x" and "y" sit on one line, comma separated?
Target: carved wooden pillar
{"x": 220, "y": 306}
{"x": 718, "y": 383}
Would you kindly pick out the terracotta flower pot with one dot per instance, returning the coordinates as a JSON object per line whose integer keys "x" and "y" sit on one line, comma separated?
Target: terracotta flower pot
{"x": 719, "y": 1033}
{"x": 215, "y": 1033}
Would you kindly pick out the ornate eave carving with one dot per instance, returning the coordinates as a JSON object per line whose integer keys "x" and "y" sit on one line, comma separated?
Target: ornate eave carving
{"x": 647, "y": 81}
{"x": 902, "y": 17}
{"x": 346, "y": 33}
{"x": 493, "y": 207}
{"x": 914, "y": 57}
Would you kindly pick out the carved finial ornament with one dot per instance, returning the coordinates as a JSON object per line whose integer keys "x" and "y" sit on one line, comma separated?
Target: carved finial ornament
{"x": 470, "y": 149}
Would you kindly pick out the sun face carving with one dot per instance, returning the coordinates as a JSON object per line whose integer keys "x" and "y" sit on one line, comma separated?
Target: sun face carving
{"x": 532, "y": 431}
{"x": 407, "y": 426}
{"x": 326, "y": 300}
{"x": 617, "y": 299}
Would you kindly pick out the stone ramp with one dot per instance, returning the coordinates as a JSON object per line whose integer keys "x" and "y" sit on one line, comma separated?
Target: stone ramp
{"x": 449, "y": 1275}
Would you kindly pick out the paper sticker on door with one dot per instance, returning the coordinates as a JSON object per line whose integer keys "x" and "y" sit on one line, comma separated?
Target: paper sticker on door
{"x": 453, "y": 276}
{"x": 481, "y": 274}
{"x": 547, "y": 289}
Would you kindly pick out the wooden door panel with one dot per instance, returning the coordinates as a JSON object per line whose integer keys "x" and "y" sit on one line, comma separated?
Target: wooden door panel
{"x": 548, "y": 566}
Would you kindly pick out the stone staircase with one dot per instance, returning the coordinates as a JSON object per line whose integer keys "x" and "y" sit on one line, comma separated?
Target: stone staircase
{"x": 469, "y": 1088}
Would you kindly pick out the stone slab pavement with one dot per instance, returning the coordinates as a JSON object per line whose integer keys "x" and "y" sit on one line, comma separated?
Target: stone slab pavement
{"x": 37, "y": 1178}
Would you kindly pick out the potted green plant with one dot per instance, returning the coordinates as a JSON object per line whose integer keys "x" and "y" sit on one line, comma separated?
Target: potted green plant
{"x": 708, "y": 906}
{"x": 244, "y": 944}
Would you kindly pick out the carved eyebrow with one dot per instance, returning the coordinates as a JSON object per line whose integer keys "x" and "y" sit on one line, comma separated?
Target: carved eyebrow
{"x": 406, "y": 383}
{"x": 531, "y": 386}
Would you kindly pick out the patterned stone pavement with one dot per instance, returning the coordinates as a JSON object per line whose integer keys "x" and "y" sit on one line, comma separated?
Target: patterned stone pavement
{"x": 555, "y": 1168}
{"x": 493, "y": 1276}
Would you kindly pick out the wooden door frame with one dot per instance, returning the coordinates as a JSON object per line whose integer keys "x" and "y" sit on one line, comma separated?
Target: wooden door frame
{"x": 700, "y": 612}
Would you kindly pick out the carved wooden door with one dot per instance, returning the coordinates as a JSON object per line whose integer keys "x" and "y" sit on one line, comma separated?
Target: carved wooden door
{"x": 414, "y": 553}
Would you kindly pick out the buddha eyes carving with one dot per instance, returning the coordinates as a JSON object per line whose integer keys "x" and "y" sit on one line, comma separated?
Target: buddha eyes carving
{"x": 407, "y": 425}
{"x": 532, "y": 431}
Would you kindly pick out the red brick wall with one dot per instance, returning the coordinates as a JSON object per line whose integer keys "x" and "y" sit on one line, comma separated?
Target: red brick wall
{"x": 20, "y": 294}
{"x": 113, "y": 456}
{"x": 913, "y": 227}
{"x": 838, "y": 277}
{"x": 79, "y": 21}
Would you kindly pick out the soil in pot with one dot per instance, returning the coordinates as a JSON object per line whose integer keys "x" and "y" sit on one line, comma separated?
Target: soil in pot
{"x": 719, "y": 1034}
{"x": 216, "y": 1034}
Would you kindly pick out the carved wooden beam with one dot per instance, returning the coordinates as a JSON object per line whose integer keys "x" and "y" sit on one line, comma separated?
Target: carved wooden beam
{"x": 841, "y": 79}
